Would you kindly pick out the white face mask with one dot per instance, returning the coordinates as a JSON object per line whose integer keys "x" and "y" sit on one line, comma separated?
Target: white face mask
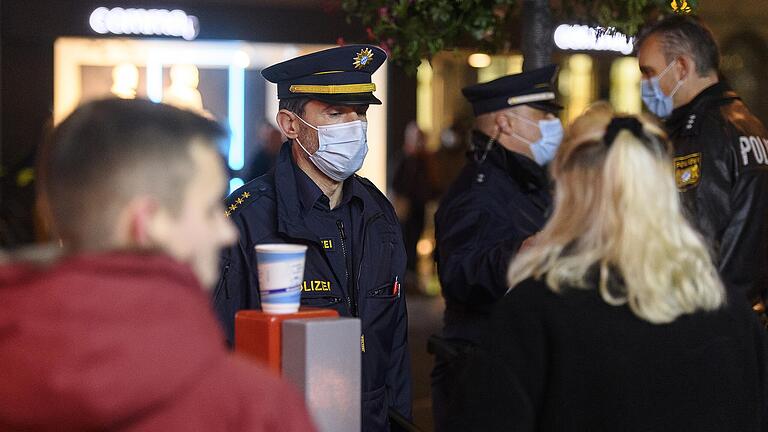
{"x": 551, "y": 136}
{"x": 342, "y": 148}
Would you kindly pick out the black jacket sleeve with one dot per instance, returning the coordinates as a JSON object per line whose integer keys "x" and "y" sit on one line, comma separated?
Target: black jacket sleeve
{"x": 473, "y": 257}
{"x": 398, "y": 374}
{"x": 398, "y": 377}
{"x": 502, "y": 384}
{"x": 743, "y": 257}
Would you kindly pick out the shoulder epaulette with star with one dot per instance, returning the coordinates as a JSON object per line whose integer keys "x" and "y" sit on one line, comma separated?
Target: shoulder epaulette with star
{"x": 234, "y": 202}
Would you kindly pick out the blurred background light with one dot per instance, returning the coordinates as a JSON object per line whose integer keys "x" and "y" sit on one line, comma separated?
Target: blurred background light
{"x": 479, "y": 60}
{"x": 584, "y": 38}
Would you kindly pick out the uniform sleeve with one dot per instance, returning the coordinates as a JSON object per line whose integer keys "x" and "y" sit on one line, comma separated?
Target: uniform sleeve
{"x": 743, "y": 261}
{"x": 501, "y": 385}
{"x": 398, "y": 377}
{"x": 233, "y": 292}
{"x": 473, "y": 257}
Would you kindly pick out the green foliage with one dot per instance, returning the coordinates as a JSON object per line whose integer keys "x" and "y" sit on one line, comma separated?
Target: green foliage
{"x": 411, "y": 30}
{"x": 414, "y": 29}
{"x": 624, "y": 16}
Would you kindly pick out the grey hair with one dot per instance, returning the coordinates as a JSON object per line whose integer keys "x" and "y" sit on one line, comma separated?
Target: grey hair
{"x": 685, "y": 35}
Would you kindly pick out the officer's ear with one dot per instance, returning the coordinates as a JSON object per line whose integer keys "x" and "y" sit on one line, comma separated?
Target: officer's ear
{"x": 685, "y": 66}
{"x": 502, "y": 123}
{"x": 288, "y": 123}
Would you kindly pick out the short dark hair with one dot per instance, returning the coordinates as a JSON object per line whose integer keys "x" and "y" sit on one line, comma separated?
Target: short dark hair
{"x": 108, "y": 151}
{"x": 295, "y": 105}
{"x": 685, "y": 34}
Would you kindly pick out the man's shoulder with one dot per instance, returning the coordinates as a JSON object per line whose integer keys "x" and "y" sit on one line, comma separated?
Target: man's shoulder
{"x": 246, "y": 196}
{"x": 734, "y": 124}
{"x": 375, "y": 193}
{"x": 477, "y": 186}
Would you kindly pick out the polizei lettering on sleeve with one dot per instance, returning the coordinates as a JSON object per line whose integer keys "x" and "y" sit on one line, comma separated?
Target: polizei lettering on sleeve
{"x": 753, "y": 150}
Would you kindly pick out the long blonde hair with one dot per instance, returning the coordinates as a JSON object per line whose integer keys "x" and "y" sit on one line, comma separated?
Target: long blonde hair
{"x": 617, "y": 211}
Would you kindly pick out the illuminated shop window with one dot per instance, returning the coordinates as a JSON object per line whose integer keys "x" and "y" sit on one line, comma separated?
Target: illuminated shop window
{"x": 625, "y": 85}
{"x": 211, "y": 77}
{"x": 125, "y": 81}
{"x": 576, "y": 84}
{"x": 424, "y": 96}
{"x": 500, "y": 66}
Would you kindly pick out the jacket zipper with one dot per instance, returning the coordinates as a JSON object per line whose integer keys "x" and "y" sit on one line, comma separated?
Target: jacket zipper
{"x": 351, "y": 295}
{"x": 332, "y": 300}
{"x": 223, "y": 281}
{"x": 362, "y": 248}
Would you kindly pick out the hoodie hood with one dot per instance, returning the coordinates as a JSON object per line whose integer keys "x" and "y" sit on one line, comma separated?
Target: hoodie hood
{"x": 95, "y": 341}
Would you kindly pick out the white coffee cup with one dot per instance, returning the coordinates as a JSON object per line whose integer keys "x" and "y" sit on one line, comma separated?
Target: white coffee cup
{"x": 280, "y": 268}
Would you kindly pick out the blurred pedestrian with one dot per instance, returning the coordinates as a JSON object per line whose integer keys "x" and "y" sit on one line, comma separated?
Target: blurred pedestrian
{"x": 265, "y": 153}
{"x": 413, "y": 187}
{"x": 616, "y": 319}
{"x": 451, "y": 156}
{"x": 118, "y": 334}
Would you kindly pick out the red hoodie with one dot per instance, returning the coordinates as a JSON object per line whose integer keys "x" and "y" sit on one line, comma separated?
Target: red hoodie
{"x": 125, "y": 341}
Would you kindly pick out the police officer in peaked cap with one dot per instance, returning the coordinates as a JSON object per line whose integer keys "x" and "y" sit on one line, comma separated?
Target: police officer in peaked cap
{"x": 500, "y": 199}
{"x": 356, "y": 257}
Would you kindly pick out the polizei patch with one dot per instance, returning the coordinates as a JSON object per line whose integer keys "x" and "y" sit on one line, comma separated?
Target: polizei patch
{"x": 687, "y": 171}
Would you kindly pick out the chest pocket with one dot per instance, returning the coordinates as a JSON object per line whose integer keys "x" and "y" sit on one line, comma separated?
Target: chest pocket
{"x": 382, "y": 258}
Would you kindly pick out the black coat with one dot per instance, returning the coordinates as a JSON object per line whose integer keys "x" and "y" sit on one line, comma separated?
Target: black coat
{"x": 491, "y": 208}
{"x": 267, "y": 210}
{"x": 572, "y": 362}
{"x": 721, "y": 167}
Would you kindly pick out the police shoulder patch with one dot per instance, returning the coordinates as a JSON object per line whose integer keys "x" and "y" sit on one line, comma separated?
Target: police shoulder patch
{"x": 687, "y": 171}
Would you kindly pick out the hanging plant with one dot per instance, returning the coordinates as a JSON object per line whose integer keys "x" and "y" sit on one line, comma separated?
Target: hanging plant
{"x": 411, "y": 30}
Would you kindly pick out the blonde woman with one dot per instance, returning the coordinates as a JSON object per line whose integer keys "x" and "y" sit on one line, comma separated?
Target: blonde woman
{"x": 616, "y": 319}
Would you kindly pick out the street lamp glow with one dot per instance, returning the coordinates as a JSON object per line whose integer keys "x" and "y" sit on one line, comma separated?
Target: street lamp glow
{"x": 479, "y": 60}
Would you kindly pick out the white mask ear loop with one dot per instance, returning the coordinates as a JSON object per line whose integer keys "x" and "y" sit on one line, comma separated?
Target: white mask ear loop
{"x": 523, "y": 119}
{"x": 666, "y": 69}
{"x": 305, "y": 122}
{"x": 297, "y": 138}
{"x": 677, "y": 87}
{"x": 679, "y": 83}
{"x": 302, "y": 147}
{"x": 526, "y": 120}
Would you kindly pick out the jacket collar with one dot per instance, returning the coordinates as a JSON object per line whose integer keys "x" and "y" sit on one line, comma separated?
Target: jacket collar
{"x": 524, "y": 170}
{"x": 290, "y": 218}
{"x": 714, "y": 95}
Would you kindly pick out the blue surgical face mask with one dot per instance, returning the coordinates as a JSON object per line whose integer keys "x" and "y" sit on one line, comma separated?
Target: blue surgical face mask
{"x": 551, "y": 136}
{"x": 341, "y": 150}
{"x": 654, "y": 98}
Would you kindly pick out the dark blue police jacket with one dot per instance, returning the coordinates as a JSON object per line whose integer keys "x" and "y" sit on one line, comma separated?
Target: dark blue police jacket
{"x": 490, "y": 209}
{"x": 269, "y": 210}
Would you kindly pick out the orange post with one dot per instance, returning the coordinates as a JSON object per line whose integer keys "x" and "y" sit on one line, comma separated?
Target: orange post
{"x": 258, "y": 335}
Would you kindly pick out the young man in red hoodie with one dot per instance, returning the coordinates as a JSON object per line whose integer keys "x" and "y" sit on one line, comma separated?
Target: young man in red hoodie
{"x": 118, "y": 333}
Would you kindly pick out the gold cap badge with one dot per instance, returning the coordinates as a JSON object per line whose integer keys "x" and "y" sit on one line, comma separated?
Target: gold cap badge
{"x": 363, "y": 58}
{"x": 680, "y": 6}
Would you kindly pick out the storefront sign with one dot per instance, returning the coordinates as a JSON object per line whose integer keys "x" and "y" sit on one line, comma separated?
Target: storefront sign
{"x": 149, "y": 22}
{"x": 584, "y": 38}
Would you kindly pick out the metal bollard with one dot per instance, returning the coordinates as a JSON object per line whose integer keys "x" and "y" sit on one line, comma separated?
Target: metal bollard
{"x": 322, "y": 358}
